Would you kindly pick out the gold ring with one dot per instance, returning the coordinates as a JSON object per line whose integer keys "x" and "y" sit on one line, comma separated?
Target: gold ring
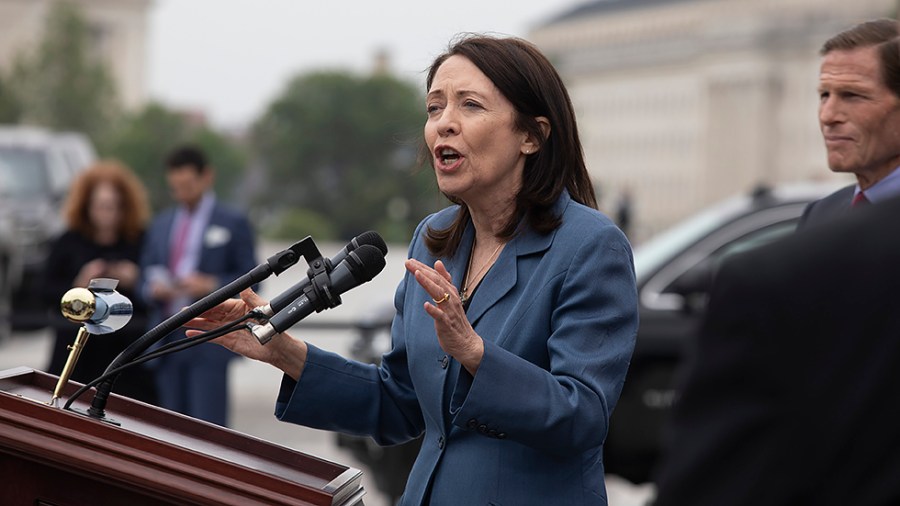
{"x": 445, "y": 298}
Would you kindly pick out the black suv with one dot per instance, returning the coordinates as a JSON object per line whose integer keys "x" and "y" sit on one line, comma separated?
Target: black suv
{"x": 37, "y": 166}
{"x": 674, "y": 273}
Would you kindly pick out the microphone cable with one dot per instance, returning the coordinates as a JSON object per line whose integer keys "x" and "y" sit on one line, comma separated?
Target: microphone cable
{"x": 181, "y": 344}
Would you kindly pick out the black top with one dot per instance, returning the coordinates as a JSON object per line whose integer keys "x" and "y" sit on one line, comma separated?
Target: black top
{"x": 70, "y": 252}
{"x": 466, "y": 303}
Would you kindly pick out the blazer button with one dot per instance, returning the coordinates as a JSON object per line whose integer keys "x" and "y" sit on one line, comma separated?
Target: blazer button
{"x": 472, "y": 424}
{"x": 441, "y": 442}
{"x": 501, "y": 435}
{"x": 492, "y": 433}
{"x": 482, "y": 429}
{"x": 445, "y": 362}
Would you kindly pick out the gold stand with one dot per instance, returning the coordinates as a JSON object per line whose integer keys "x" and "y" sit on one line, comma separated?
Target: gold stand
{"x": 74, "y": 353}
{"x": 77, "y": 305}
{"x": 100, "y": 310}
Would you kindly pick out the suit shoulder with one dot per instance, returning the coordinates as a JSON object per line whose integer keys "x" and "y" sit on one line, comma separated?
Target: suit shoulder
{"x": 226, "y": 212}
{"x": 581, "y": 224}
{"x": 163, "y": 216}
{"x": 839, "y": 199}
{"x": 440, "y": 219}
{"x": 436, "y": 220}
{"x": 842, "y": 196}
{"x": 581, "y": 214}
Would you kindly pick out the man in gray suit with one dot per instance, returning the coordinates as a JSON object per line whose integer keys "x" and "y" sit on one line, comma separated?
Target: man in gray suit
{"x": 859, "y": 115}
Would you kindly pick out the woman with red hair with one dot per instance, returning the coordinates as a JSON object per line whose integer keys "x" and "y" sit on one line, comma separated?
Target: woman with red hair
{"x": 106, "y": 213}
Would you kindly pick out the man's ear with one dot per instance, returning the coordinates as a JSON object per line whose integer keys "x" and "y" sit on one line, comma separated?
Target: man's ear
{"x": 209, "y": 177}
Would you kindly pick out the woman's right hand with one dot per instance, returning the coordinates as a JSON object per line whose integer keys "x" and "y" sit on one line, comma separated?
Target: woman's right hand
{"x": 283, "y": 351}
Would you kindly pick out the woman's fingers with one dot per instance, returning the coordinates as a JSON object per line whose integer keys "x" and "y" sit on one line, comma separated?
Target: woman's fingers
{"x": 413, "y": 265}
{"x": 436, "y": 281}
{"x": 252, "y": 298}
{"x": 227, "y": 312}
{"x": 441, "y": 269}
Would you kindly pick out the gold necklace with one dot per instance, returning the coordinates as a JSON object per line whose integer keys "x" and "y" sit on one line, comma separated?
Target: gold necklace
{"x": 464, "y": 293}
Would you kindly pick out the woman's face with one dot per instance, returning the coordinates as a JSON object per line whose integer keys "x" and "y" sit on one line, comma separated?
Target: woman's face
{"x": 105, "y": 208}
{"x": 477, "y": 153}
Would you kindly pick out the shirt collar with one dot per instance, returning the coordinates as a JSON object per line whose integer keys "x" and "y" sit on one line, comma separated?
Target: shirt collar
{"x": 884, "y": 189}
{"x": 207, "y": 201}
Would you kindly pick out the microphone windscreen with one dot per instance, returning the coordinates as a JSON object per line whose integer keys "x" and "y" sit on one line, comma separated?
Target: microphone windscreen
{"x": 366, "y": 262}
{"x": 372, "y": 238}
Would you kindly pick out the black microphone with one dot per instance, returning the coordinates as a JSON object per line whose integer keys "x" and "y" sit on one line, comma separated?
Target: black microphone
{"x": 275, "y": 264}
{"x": 284, "y": 299}
{"x": 360, "y": 265}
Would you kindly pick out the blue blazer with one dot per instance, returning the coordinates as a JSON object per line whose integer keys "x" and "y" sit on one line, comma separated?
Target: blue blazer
{"x": 558, "y": 315}
{"x": 226, "y": 256}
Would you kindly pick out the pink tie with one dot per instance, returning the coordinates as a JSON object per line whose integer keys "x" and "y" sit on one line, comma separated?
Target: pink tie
{"x": 179, "y": 243}
{"x": 859, "y": 200}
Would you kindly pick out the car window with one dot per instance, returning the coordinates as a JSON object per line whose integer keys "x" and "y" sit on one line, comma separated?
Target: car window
{"x": 22, "y": 172}
{"x": 59, "y": 172}
{"x": 691, "y": 270}
{"x": 699, "y": 278}
{"x": 756, "y": 239}
{"x": 652, "y": 255}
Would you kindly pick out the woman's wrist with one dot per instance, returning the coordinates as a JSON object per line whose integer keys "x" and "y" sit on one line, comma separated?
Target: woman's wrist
{"x": 289, "y": 355}
{"x": 471, "y": 357}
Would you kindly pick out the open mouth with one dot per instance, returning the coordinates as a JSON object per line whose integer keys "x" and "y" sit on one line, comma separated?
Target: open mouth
{"x": 448, "y": 156}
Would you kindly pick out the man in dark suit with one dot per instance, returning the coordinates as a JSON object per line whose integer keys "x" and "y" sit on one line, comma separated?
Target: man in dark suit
{"x": 859, "y": 115}
{"x": 190, "y": 251}
{"x": 791, "y": 396}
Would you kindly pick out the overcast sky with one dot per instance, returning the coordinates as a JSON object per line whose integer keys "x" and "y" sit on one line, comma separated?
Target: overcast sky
{"x": 229, "y": 58}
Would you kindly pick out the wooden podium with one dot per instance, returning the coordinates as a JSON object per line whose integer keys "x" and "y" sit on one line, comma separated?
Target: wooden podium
{"x": 54, "y": 457}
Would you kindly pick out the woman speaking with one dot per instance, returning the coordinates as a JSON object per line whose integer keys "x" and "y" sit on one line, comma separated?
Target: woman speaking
{"x": 516, "y": 319}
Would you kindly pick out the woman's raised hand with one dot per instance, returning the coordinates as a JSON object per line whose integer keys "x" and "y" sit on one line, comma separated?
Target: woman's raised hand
{"x": 283, "y": 351}
{"x": 455, "y": 334}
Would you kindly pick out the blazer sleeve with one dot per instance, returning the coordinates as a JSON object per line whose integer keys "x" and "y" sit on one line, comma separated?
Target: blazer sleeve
{"x": 153, "y": 253}
{"x": 593, "y": 323}
{"x": 343, "y": 395}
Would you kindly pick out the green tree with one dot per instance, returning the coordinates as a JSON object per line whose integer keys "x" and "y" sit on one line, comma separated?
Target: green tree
{"x": 342, "y": 148}
{"x": 10, "y": 109}
{"x": 62, "y": 85}
{"x": 146, "y": 137}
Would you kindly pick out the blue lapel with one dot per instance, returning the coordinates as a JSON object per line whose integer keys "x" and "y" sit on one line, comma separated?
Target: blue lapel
{"x": 499, "y": 280}
{"x": 502, "y": 277}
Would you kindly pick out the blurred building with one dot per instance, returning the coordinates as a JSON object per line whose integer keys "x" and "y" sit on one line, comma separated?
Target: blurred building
{"x": 685, "y": 102}
{"x": 118, "y": 31}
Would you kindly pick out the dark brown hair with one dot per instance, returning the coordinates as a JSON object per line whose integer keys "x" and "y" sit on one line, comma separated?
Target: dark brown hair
{"x": 135, "y": 210}
{"x": 528, "y": 80}
{"x": 187, "y": 155}
{"x": 879, "y": 32}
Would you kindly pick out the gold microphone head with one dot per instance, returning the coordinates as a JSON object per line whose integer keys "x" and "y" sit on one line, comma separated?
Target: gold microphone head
{"x": 78, "y": 305}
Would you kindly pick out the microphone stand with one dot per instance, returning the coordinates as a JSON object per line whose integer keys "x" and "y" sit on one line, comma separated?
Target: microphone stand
{"x": 276, "y": 264}
{"x": 74, "y": 353}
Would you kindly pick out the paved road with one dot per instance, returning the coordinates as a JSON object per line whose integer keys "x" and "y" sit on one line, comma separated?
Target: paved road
{"x": 254, "y": 385}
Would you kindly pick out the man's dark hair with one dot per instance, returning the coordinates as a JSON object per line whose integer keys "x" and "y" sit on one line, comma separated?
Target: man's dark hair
{"x": 882, "y": 33}
{"x": 187, "y": 155}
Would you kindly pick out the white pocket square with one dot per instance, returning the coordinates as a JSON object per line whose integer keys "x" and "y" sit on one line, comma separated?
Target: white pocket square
{"x": 216, "y": 236}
